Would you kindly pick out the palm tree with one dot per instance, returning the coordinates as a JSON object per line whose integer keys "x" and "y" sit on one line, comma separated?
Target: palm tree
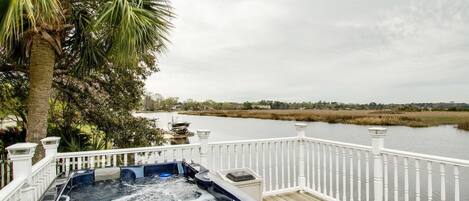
{"x": 37, "y": 36}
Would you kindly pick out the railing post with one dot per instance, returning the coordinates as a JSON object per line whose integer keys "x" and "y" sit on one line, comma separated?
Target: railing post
{"x": 377, "y": 143}
{"x": 301, "y": 134}
{"x": 21, "y": 155}
{"x": 203, "y": 140}
{"x": 50, "y": 145}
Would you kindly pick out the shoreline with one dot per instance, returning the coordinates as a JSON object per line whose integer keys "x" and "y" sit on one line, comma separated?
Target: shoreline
{"x": 357, "y": 117}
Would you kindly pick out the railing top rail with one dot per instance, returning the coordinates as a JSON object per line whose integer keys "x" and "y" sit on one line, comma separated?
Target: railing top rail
{"x": 340, "y": 144}
{"x": 41, "y": 164}
{"x": 13, "y": 187}
{"x": 253, "y": 141}
{"x": 125, "y": 150}
{"x": 426, "y": 157}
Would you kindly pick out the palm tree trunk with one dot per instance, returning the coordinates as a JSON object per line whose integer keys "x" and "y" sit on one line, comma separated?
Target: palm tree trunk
{"x": 41, "y": 71}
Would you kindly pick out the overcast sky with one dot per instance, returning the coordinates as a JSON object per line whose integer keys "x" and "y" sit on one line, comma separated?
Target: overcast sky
{"x": 353, "y": 51}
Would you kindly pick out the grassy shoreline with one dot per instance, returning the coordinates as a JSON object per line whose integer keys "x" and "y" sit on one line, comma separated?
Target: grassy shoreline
{"x": 358, "y": 117}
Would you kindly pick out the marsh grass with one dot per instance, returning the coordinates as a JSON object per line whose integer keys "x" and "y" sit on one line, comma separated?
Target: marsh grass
{"x": 464, "y": 126}
{"x": 359, "y": 117}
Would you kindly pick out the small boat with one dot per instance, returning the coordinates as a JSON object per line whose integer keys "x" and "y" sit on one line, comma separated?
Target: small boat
{"x": 179, "y": 127}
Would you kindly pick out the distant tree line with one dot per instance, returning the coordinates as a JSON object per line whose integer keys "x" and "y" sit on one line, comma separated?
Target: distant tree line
{"x": 156, "y": 102}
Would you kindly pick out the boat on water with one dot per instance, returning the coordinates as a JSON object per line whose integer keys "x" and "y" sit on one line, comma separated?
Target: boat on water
{"x": 179, "y": 127}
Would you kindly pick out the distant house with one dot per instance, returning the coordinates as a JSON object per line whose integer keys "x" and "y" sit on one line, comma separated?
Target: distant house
{"x": 261, "y": 107}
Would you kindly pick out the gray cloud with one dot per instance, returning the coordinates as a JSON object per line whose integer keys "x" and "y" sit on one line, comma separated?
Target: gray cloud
{"x": 348, "y": 51}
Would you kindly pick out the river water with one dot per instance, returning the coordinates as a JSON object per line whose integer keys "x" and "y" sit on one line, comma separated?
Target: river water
{"x": 440, "y": 140}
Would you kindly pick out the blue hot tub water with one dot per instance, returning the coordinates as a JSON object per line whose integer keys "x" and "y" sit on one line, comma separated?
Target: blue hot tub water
{"x": 176, "y": 181}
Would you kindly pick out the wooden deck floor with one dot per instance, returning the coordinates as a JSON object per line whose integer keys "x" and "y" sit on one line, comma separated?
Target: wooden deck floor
{"x": 295, "y": 196}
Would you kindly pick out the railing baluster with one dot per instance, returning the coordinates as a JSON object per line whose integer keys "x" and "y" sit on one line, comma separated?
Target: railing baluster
{"x": 243, "y": 157}
{"x": 220, "y": 154}
{"x": 250, "y": 155}
{"x": 406, "y": 179}
{"x": 337, "y": 195}
{"x": 288, "y": 164}
{"x": 257, "y": 158}
{"x": 276, "y": 166}
{"x": 351, "y": 173}
{"x": 114, "y": 160}
{"x": 235, "y": 151}
{"x": 67, "y": 166}
{"x": 386, "y": 179}
{"x": 229, "y": 156}
{"x": 443, "y": 181}
{"x": 367, "y": 176}
{"x": 212, "y": 157}
{"x": 359, "y": 176}
{"x": 79, "y": 163}
{"x": 344, "y": 176}
{"x": 264, "y": 176}
{"x": 282, "y": 159}
{"x": 330, "y": 171}
{"x": 417, "y": 180}
{"x": 396, "y": 177}
{"x": 308, "y": 182}
{"x": 324, "y": 166}
{"x": 318, "y": 146}
{"x": 135, "y": 158}
{"x": 313, "y": 167}
{"x": 295, "y": 165}
{"x": 456, "y": 183}
{"x": 125, "y": 159}
{"x": 430, "y": 187}
{"x": 269, "y": 151}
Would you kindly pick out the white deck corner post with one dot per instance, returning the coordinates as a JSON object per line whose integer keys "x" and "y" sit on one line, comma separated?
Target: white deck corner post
{"x": 21, "y": 155}
{"x": 203, "y": 140}
{"x": 377, "y": 144}
{"x": 301, "y": 134}
{"x": 50, "y": 145}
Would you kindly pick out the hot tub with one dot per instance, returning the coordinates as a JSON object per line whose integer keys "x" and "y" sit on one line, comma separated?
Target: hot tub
{"x": 178, "y": 181}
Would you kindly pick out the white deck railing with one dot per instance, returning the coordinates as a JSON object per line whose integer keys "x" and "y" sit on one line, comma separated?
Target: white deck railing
{"x": 273, "y": 159}
{"x": 70, "y": 161}
{"x": 429, "y": 174}
{"x": 5, "y": 172}
{"x": 328, "y": 169}
{"x": 327, "y": 166}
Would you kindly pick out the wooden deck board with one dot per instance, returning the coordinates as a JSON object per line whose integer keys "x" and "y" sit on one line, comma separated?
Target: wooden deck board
{"x": 295, "y": 196}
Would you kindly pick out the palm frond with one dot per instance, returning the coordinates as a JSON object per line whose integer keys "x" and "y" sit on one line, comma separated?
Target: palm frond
{"x": 83, "y": 44}
{"x": 14, "y": 16}
{"x": 20, "y": 16}
{"x": 132, "y": 27}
